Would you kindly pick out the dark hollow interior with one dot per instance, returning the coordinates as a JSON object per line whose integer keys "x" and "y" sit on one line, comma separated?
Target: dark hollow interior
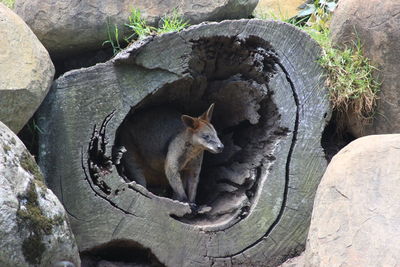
{"x": 234, "y": 74}
{"x": 335, "y": 137}
{"x": 119, "y": 253}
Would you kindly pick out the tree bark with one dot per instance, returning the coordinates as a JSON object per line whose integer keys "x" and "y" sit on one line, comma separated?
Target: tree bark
{"x": 270, "y": 109}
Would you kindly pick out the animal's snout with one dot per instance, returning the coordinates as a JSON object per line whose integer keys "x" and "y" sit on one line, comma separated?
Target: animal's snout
{"x": 220, "y": 147}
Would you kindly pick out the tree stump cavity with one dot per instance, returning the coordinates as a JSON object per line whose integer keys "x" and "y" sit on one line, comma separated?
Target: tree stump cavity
{"x": 233, "y": 74}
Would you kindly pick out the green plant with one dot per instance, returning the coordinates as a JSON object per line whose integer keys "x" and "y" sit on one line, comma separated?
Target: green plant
{"x": 113, "y": 38}
{"x": 350, "y": 79}
{"x": 8, "y": 3}
{"x": 140, "y": 29}
{"x": 352, "y": 87}
{"x": 172, "y": 23}
{"x": 138, "y": 26}
{"x": 319, "y": 8}
{"x": 30, "y": 136}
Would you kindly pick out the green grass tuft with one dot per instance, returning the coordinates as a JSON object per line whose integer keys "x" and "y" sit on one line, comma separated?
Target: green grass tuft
{"x": 172, "y": 23}
{"x": 8, "y": 3}
{"x": 140, "y": 29}
{"x": 350, "y": 78}
{"x": 352, "y": 87}
{"x": 113, "y": 38}
{"x": 138, "y": 26}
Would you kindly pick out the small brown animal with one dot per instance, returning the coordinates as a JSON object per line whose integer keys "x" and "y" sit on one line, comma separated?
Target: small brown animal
{"x": 161, "y": 143}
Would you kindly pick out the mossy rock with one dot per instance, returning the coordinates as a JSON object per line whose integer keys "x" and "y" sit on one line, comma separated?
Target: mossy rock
{"x": 33, "y": 225}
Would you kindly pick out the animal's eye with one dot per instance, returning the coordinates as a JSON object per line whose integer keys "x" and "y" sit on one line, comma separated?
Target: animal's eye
{"x": 206, "y": 137}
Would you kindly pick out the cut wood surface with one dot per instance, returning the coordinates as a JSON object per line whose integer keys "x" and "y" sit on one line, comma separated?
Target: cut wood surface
{"x": 270, "y": 111}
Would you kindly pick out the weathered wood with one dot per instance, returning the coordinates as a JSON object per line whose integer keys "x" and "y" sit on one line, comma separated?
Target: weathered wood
{"x": 271, "y": 109}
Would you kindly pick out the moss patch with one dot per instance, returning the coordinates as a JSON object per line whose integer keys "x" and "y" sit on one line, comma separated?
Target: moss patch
{"x": 58, "y": 220}
{"x": 6, "y": 148}
{"x": 31, "y": 217}
{"x": 28, "y": 163}
{"x": 33, "y": 249}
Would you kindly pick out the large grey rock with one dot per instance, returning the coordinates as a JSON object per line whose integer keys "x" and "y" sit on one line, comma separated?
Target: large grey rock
{"x": 75, "y": 26}
{"x": 26, "y": 71}
{"x": 298, "y": 261}
{"x": 34, "y": 230}
{"x": 270, "y": 109}
{"x": 355, "y": 221}
{"x": 377, "y": 25}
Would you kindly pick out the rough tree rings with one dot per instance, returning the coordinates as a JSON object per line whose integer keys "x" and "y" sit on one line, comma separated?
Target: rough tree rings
{"x": 271, "y": 109}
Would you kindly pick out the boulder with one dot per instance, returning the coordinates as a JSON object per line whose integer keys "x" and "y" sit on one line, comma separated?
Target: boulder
{"x": 71, "y": 26}
{"x": 34, "y": 228}
{"x": 355, "y": 221}
{"x": 377, "y": 25}
{"x": 26, "y": 71}
{"x": 281, "y": 9}
{"x": 298, "y": 261}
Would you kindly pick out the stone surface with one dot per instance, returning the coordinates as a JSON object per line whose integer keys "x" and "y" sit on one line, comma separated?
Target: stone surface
{"x": 377, "y": 24}
{"x": 34, "y": 230}
{"x": 282, "y": 9}
{"x": 355, "y": 221}
{"x": 74, "y": 26}
{"x": 260, "y": 188}
{"x": 26, "y": 71}
{"x": 298, "y": 261}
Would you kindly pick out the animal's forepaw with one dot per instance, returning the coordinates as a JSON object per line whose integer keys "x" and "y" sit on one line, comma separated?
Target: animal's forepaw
{"x": 194, "y": 207}
{"x": 203, "y": 209}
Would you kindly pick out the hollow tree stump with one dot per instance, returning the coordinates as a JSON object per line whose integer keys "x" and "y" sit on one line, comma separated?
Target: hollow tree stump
{"x": 270, "y": 112}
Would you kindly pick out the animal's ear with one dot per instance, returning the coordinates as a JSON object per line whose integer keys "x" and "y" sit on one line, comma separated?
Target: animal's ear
{"x": 190, "y": 121}
{"x": 208, "y": 114}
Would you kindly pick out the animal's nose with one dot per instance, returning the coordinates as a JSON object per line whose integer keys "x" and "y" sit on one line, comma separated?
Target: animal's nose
{"x": 220, "y": 147}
